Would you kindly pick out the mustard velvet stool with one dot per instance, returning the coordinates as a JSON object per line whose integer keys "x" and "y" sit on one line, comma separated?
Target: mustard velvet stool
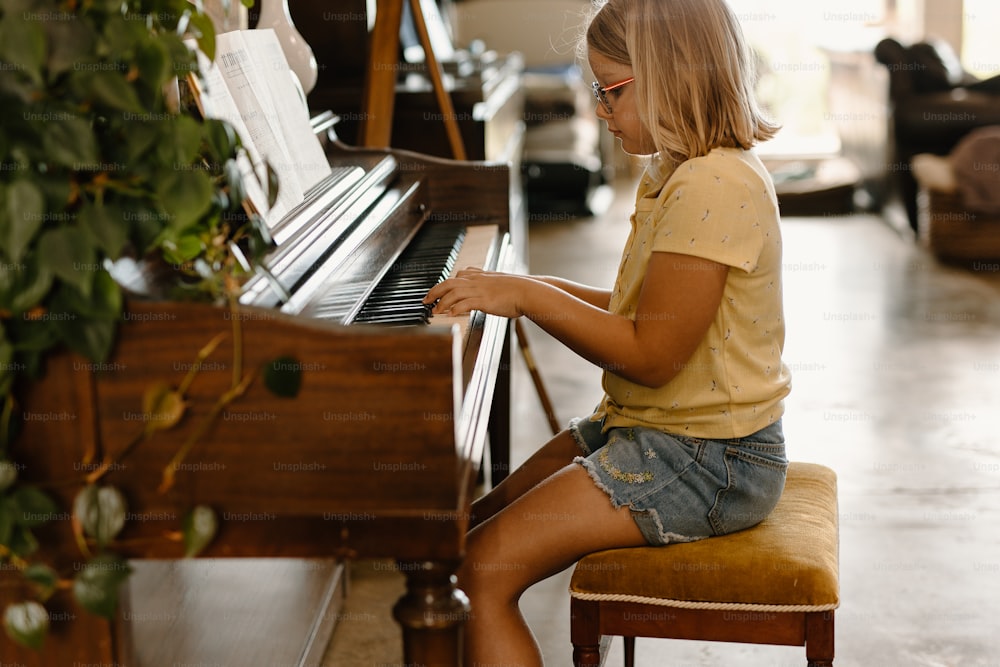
{"x": 775, "y": 583}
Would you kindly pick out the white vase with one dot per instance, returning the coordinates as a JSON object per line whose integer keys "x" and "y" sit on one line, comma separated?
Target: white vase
{"x": 274, "y": 14}
{"x": 226, "y": 15}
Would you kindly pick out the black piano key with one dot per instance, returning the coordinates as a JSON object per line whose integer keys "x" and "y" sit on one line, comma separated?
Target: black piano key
{"x": 398, "y": 298}
{"x": 391, "y": 307}
{"x": 386, "y": 302}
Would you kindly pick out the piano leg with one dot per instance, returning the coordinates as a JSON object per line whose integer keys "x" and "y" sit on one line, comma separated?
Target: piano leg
{"x": 432, "y": 614}
{"x": 499, "y": 421}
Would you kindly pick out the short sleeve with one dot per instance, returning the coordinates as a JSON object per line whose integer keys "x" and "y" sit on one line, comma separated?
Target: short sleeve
{"x": 708, "y": 210}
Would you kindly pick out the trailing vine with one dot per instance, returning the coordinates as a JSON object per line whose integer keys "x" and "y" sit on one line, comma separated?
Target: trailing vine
{"x": 99, "y": 161}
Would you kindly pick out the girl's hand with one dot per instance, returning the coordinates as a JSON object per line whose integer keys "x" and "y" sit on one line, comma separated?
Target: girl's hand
{"x": 475, "y": 289}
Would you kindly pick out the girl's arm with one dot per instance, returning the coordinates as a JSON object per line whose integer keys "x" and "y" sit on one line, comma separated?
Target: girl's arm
{"x": 595, "y": 296}
{"x": 677, "y": 303}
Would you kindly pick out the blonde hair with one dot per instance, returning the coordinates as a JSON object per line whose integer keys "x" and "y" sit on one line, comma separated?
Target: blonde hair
{"x": 694, "y": 72}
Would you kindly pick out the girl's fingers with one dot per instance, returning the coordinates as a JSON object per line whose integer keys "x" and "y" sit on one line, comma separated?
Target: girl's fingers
{"x": 436, "y": 292}
{"x": 446, "y": 286}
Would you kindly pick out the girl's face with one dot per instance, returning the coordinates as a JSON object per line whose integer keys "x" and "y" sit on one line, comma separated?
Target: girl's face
{"x": 623, "y": 119}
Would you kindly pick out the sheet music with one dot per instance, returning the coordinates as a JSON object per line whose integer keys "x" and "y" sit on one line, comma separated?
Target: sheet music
{"x": 214, "y": 101}
{"x": 310, "y": 161}
{"x": 248, "y": 88}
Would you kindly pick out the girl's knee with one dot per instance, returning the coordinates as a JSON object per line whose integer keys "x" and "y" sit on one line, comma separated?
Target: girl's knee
{"x": 486, "y": 570}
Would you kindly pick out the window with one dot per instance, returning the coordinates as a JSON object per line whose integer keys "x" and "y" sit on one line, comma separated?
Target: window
{"x": 790, "y": 38}
{"x": 980, "y": 54}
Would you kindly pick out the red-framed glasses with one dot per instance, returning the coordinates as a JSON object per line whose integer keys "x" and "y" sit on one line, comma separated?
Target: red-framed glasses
{"x": 602, "y": 93}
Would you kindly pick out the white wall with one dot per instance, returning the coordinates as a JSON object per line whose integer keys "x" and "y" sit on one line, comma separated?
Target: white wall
{"x": 544, "y": 31}
{"x": 943, "y": 19}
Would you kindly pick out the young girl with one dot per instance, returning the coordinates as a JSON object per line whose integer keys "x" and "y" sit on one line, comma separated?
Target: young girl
{"x": 686, "y": 442}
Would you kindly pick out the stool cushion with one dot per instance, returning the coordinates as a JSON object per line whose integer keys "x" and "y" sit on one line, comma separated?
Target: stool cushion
{"x": 788, "y": 562}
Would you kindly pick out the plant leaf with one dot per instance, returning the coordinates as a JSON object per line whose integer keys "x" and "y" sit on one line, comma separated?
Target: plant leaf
{"x": 199, "y": 527}
{"x": 34, "y": 507}
{"x": 283, "y": 376}
{"x": 234, "y": 177}
{"x": 205, "y": 33}
{"x": 71, "y": 44}
{"x": 143, "y": 137}
{"x": 154, "y": 63}
{"x": 43, "y": 577}
{"x": 27, "y": 623}
{"x": 101, "y": 512}
{"x": 7, "y": 374}
{"x": 145, "y": 227}
{"x": 33, "y": 282}
{"x": 105, "y": 302}
{"x": 93, "y": 338}
{"x": 185, "y": 138}
{"x": 23, "y": 43}
{"x": 162, "y": 406}
{"x": 104, "y": 224}
{"x": 66, "y": 253}
{"x": 221, "y": 138}
{"x": 272, "y": 185}
{"x": 25, "y": 213}
{"x": 185, "y": 195}
{"x": 111, "y": 89}
{"x": 8, "y": 474}
{"x": 7, "y": 512}
{"x": 96, "y": 586}
{"x": 106, "y": 298}
{"x": 185, "y": 249}
{"x": 23, "y": 542}
{"x": 70, "y": 141}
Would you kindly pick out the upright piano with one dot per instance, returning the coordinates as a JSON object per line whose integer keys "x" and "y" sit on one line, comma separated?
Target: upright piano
{"x": 378, "y": 453}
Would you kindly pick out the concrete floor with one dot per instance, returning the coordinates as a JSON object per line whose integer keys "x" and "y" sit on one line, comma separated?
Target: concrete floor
{"x": 896, "y": 363}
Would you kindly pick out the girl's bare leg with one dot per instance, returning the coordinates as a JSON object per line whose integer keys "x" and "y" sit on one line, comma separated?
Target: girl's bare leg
{"x": 540, "y": 533}
{"x": 549, "y": 458}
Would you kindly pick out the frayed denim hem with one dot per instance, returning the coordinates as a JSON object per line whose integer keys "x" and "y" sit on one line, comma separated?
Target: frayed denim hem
{"x": 648, "y": 521}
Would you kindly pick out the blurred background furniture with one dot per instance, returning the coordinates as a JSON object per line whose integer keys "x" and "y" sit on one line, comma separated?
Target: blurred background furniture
{"x": 958, "y": 201}
{"x": 484, "y": 84}
{"x": 564, "y": 168}
{"x": 934, "y": 102}
{"x": 566, "y": 165}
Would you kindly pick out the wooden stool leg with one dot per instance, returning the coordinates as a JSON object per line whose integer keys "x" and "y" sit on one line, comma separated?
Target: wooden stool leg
{"x": 585, "y": 633}
{"x": 819, "y": 639}
{"x": 629, "y": 651}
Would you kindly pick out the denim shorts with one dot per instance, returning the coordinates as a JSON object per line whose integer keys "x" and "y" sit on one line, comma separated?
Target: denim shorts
{"x": 682, "y": 489}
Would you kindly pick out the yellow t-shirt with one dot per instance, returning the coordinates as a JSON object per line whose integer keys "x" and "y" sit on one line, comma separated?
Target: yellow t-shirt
{"x": 720, "y": 207}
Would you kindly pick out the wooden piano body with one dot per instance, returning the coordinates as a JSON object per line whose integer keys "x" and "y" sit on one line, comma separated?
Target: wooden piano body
{"x": 377, "y": 455}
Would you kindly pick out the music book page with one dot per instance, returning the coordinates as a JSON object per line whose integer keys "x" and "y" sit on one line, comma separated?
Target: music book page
{"x": 250, "y": 85}
{"x": 214, "y": 101}
{"x": 310, "y": 163}
{"x": 247, "y": 85}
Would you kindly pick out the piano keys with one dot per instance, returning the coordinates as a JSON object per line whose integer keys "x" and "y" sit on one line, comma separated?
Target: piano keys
{"x": 426, "y": 261}
{"x": 378, "y": 454}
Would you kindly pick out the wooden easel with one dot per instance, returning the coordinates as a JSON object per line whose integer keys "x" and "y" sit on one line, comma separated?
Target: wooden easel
{"x": 376, "y": 124}
{"x": 380, "y": 81}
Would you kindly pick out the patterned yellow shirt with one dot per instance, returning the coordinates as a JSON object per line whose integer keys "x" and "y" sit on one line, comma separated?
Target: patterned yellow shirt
{"x": 719, "y": 207}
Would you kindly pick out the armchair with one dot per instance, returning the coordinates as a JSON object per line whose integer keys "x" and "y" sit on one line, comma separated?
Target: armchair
{"x": 933, "y": 103}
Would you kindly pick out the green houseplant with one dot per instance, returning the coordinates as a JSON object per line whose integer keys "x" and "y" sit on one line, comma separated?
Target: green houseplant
{"x": 99, "y": 161}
